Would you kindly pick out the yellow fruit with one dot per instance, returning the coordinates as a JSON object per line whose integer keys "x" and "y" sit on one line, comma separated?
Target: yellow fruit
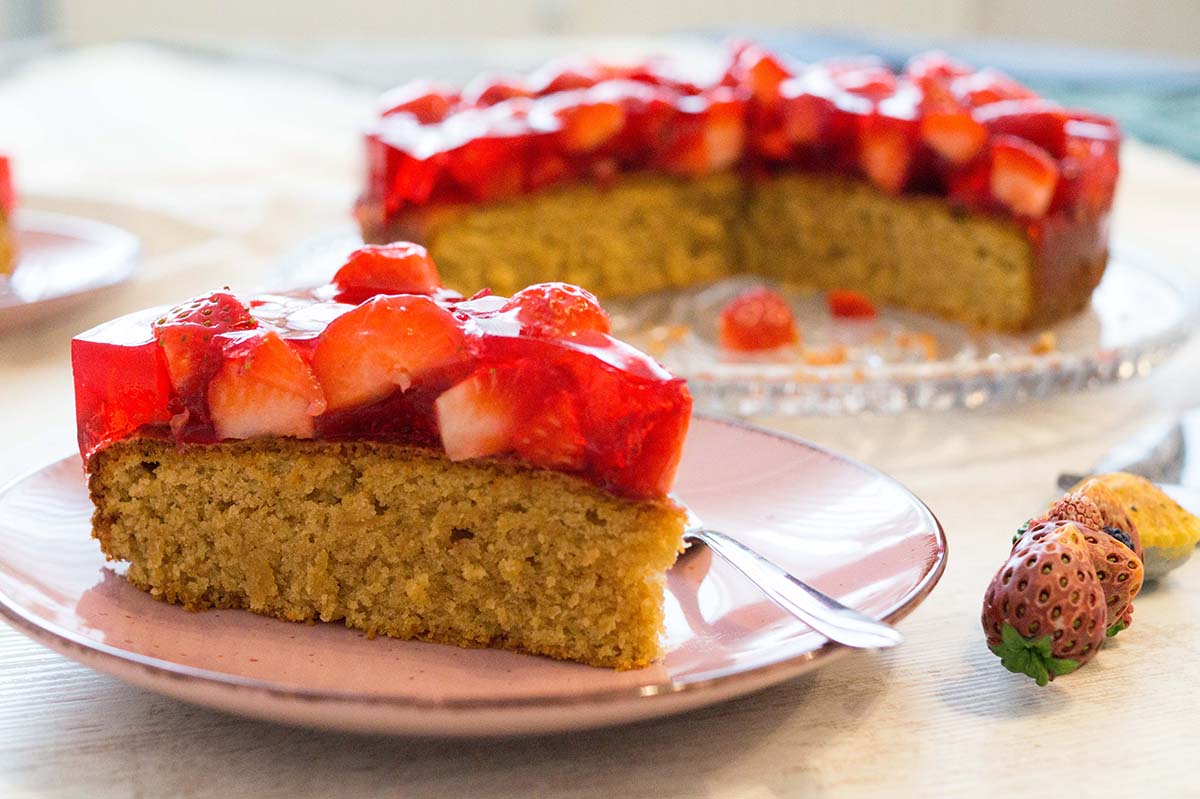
{"x": 1168, "y": 532}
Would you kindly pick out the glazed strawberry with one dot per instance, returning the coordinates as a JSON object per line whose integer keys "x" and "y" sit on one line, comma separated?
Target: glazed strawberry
{"x": 479, "y": 416}
{"x": 758, "y": 319}
{"x": 848, "y": 304}
{"x": 935, "y": 67}
{"x": 428, "y": 102}
{"x": 1038, "y": 121}
{"x": 1024, "y": 176}
{"x": 988, "y": 86}
{"x": 557, "y": 309}
{"x": 1044, "y": 611}
{"x": 489, "y": 167}
{"x": 1120, "y": 573}
{"x": 400, "y": 268}
{"x": 953, "y": 134}
{"x": 385, "y": 344}
{"x": 759, "y": 71}
{"x": 587, "y": 126}
{"x": 488, "y": 90}
{"x": 186, "y": 333}
{"x": 263, "y": 388}
{"x": 551, "y": 437}
{"x": 709, "y": 137}
{"x": 887, "y": 150}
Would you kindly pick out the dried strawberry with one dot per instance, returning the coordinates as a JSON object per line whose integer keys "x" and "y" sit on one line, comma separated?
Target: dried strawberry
{"x": 556, "y": 310}
{"x": 758, "y": 319}
{"x": 1044, "y": 612}
{"x": 399, "y": 268}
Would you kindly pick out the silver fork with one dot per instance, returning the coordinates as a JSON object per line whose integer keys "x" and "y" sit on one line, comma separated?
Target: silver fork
{"x": 821, "y": 612}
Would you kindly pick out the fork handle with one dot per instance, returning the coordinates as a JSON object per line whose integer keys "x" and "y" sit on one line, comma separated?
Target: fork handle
{"x": 821, "y": 612}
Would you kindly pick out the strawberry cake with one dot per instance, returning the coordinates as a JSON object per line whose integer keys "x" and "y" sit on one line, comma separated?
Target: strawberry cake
{"x": 385, "y": 452}
{"x": 939, "y": 188}
{"x": 8, "y": 245}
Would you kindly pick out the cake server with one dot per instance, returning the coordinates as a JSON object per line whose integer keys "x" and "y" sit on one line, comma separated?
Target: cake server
{"x": 821, "y": 612}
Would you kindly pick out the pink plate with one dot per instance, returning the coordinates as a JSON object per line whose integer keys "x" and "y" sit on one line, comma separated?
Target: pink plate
{"x": 62, "y": 261}
{"x": 843, "y": 527}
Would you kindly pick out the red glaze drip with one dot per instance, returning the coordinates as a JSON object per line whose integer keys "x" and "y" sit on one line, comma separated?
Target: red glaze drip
{"x": 578, "y": 400}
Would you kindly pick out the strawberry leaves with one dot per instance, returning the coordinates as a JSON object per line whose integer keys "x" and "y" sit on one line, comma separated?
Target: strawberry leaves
{"x": 1031, "y": 657}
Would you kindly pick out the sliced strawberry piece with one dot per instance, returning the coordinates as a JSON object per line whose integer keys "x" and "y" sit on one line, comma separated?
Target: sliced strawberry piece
{"x": 428, "y": 102}
{"x": 805, "y": 116}
{"x": 551, "y": 437}
{"x": 953, "y": 134}
{"x": 759, "y": 71}
{"x": 384, "y": 344}
{"x": 935, "y": 66}
{"x": 1035, "y": 120}
{"x": 587, "y": 126}
{"x": 263, "y": 388}
{"x": 555, "y": 310}
{"x": 480, "y": 415}
{"x": 758, "y": 319}
{"x": 487, "y": 90}
{"x": 8, "y": 197}
{"x": 709, "y": 136}
{"x": 398, "y": 268}
{"x": 887, "y": 148}
{"x": 988, "y": 86}
{"x": 1024, "y": 176}
{"x": 850, "y": 304}
{"x": 186, "y": 334}
{"x": 563, "y": 76}
{"x": 489, "y": 167}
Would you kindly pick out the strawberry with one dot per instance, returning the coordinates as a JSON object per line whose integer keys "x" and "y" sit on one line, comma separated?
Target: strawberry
{"x": 1120, "y": 573}
{"x": 1038, "y": 121}
{"x": 487, "y": 90}
{"x": 186, "y": 335}
{"x": 399, "y": 268}
{"x": 849, "y": 304}
{"x": 428, "y": 102}
{"x": 953, "y": 134}
{"x": 479, "y": 416}
{"x": 384, "y": 344}
{"x": 988, "y": 86}
{"x": 758, "y": 319}
{"x": 489, "y": 167}
{"x": 1024, "y": 176}
{"x": 868, "y": 79}
{"x": 551, "y": 437}
{"x": 587, "y": 126}
{"x": 553, "y": 310}
{"x": 935, "y": 66}
{"x": 263, "y": 388}
{"x": 761, "y": 72}
{"x": 708, "y": 137}
{"x": 1044, "y": 611}
{"x": 886, "y": 150}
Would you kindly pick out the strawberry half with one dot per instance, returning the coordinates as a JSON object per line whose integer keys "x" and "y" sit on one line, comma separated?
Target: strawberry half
{"x": 587, "y": 126}
{"x": 400, "y": 268}
{"x": 551, "y": 437}
{"x": 384, "y": 344}
{"x": 953, "y": 134}
{"x": 758, "y": 319}
{"x": 555, "y": 310}
{"x": 428, "y": 102}
{"x": 887, "y": 147}
{"x": 480, "y": 415}
{"x": 1024, "y": 176}
{"x": 263, "y": 388}
{"x": 1035, "y": 120}
{"x": 186, "y": 334}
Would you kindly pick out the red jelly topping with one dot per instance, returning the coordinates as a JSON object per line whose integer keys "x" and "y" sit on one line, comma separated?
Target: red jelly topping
{"x": 8, "y": 196}
{"x": 536, "y": 377}
{"x": 977, "y": 137}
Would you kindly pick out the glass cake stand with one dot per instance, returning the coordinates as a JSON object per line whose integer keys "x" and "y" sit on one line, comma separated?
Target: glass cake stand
{"x": 1141, "y": 313}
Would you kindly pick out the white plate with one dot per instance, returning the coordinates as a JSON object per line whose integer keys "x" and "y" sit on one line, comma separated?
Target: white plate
{"x": 62, "y": 261}
{"x": 843, "y": 527}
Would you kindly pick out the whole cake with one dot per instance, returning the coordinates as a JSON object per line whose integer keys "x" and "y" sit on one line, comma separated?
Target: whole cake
{"x": 481, "y": 472}
{"x": 938, "y": 188}
{"x": 8, "y": 201}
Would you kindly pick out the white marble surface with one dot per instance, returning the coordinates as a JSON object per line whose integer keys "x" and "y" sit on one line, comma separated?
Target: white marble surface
{"x": 147, "y": 140}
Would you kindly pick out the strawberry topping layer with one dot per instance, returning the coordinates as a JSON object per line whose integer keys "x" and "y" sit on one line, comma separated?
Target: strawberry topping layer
{"x": 977, "y": 137}
{"x": 384, "y": 353}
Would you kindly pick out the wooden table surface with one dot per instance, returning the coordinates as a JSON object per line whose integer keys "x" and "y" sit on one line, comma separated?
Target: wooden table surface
{"x": 220, "y": 167}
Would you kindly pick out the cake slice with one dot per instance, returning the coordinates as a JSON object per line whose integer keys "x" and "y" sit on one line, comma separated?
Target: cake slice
{"x": 383, "y": 452}
{"x": 8, "y": 201}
